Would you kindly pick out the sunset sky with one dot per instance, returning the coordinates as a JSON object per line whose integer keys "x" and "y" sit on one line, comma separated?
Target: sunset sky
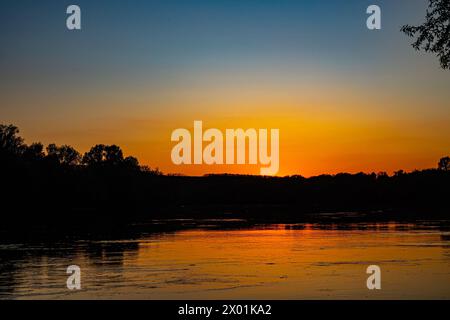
{"x": 344, "y": 98}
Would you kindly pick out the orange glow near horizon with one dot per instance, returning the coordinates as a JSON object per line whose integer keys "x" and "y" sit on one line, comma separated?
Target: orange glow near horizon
{"x": 309, "y": 144}
{"x": 328, "y": 123}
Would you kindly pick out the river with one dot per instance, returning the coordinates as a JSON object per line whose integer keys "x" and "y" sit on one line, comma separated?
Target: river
{"x": 214, "y": 260}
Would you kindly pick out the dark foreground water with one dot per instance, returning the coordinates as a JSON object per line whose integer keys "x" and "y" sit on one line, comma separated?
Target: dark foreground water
{"x": 215, "y": 261}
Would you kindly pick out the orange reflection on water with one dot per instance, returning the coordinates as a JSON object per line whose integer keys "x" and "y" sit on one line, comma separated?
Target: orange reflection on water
{"x": 301, "y": 261}
{"x": 280, "y": 262}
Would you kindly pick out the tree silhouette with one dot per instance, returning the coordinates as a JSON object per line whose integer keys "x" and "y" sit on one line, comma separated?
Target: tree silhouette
{"x": 444, "y": 164}
{"x": 434, "y": 34}
{"x": 10, "y": 141}
{"x": 65, "y": 155}
{"x": 118, "y": 188}
{"x": 131, "y": 162}
{"x": 34, "y": 152}
{"x": 114, "y": 154}
{"x": 103, "y": 154}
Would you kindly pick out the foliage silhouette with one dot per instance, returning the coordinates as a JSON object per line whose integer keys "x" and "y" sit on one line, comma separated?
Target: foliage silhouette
{"x": 56, "y": 188}
{"x": 34, "y": 152}
{"x": 444, "y": 164}
{"x": 103, "y": 154}
{"x": 10, "y": 142}
{"x": 434, "y": 34}
{"x": 65, "y": 155}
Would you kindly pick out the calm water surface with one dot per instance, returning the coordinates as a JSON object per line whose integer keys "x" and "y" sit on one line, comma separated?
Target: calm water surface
{"x": 283, "y": 261}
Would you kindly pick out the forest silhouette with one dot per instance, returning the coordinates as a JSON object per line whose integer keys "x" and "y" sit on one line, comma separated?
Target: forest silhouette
{"x": 58, "y": 185}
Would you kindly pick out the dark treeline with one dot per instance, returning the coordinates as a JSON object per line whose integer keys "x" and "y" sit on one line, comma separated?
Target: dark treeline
{"x": 58, "y": 184}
